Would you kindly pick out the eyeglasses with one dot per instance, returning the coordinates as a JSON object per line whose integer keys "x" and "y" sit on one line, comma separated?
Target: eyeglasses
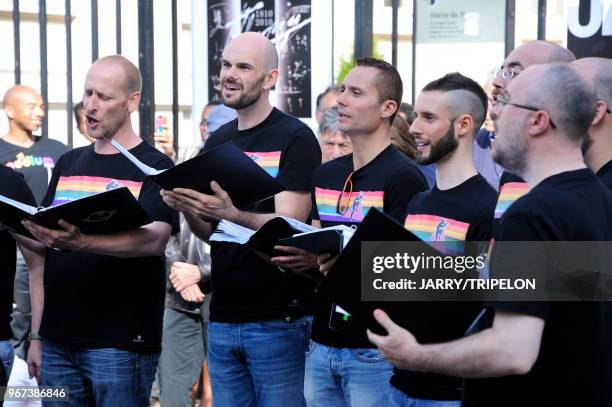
{"x": 501, "y": 100}
{"x": 341, "y": 204}
{"x": 508, "y": 73}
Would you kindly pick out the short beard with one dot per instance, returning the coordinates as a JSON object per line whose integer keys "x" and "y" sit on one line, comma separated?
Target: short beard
{"x": 248, "y": 98}
{"x": 511, "y": 158}
{"x": 446, "y": 145}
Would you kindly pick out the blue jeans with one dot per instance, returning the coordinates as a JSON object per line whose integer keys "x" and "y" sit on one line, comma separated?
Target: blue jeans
{"x": 6, "y": 357}
{"x": 399, "y": 399}
{"x": 346, "y": 377}
{"x": 104, "y": 377}
{"x": 258, "y": 363}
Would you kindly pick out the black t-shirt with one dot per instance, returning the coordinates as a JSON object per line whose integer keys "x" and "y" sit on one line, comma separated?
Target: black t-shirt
{"x": 386, "y": 183}
{"x": 605, "y": 174}
{"x": 457, "y": 215}
{"x": 35, "y": 163}
{"x": 574, "y": 366}
{"x": 12, "y": 185}
{"x": 95, "y": 300}
{"x": 246, "y": 287}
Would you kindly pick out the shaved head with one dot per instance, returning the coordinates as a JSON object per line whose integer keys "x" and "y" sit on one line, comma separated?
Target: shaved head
{"x": 16, "y": 93}
{"x": 540, "y": 52}
{"x": 261, "y": 48}
{"x": 598, "y": 73}
{"x": 132, "y": 79}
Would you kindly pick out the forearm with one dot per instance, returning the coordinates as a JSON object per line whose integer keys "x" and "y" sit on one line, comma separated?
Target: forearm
{"x": 199, "y": 227}
{"x": 149, "y": 240}
{"x": 256, "y": 220}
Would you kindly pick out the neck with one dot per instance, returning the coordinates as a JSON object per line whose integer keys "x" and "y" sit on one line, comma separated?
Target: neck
{"x": 553, "y": 162}
{"x": 251, "y": 116}
{"x": 124, "y": 136}
{"x": 601, "y": 151}
{"x": 455, "y": 168}
{"x": 18, "y": 136}
{"x": 367, "y": 146}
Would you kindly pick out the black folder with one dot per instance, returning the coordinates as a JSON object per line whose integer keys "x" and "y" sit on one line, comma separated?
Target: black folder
{"x": 342, "y": 285}
{"x": 321, "y": 241}
{"x": 244, "y": 180}
{"x": 107, "y": 212}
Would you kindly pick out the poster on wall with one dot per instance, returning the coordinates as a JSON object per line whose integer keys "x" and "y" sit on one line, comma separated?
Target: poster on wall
{"x": 589, "y": 28}
{"x": 287, "y": 25}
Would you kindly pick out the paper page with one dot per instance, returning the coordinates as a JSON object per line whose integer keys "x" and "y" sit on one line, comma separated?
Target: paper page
{"x": 231, "y": 232}
{"x": 143, "y": 167}
{"x": 26, "y": 208}
{"x": 297, "y": 225}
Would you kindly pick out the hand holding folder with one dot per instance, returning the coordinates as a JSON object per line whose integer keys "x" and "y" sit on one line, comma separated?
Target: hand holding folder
{"x": 245, "y": 182}
{"x": 107, "y": 212}
{"x": 326, "y": 240}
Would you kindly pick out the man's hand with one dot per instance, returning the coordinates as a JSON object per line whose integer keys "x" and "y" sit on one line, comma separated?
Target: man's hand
{"x": 183, "y": 275}
{"x": 193, "y": 294}
{"x": 68, "y": 237}
{"x": 165, "y": 142}
{"x": 296, "y": 260}
{"x": 326, "y": 262}
{"x": 34, "y": 359}
{"x": 399, "y": 347}
{"x": 217, "y": 206}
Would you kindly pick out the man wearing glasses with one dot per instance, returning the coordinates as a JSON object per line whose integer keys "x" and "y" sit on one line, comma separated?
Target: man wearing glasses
{"x": 597, "y": 147}
{"x": 342, "y": 367}
{"x": 458, "y": 209}
{"x": 534, "y": 353}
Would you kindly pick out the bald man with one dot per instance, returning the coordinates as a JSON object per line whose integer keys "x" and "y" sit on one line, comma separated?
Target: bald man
{"x": 103, "y": 295}
{"x": 34, "y": 157}
{"x": 534, "y": 353}
{"x": 597, "y": 146}
{"x": 260, "y": 315}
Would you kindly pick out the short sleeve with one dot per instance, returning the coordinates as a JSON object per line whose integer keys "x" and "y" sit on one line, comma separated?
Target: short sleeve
{"x": 301, "y": 157}
{"x": 151, "y": 201}
{"x": 403, "y": 187}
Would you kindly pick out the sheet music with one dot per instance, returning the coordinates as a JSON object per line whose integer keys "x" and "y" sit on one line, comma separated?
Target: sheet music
{"x": 231, "y": 232}
{"x": 26, "y": 208}
{"x": 142, "y": 166}
{"x": 347, "y": 232}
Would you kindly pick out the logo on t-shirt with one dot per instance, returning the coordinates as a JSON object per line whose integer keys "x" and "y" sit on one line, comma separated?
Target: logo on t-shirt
{"x": 509, "y": 193}
{"x": 432, "y": 228}
{"x": 355, "y": 205}
{"x": 77, "y": 187}
{"x": 27, "y": 161}
{"x": 269, "y": 160}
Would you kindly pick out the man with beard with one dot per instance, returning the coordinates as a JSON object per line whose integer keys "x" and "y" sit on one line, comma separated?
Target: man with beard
{"x": 449, "y": 112}
{"x": 597, "y": 147}
{"x": 534, "y": 353}
{"x": 342, "y": 367}
{"x": 259, "y": 315}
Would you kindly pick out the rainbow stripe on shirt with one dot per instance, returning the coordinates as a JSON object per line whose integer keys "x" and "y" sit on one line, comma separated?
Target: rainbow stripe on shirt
{"x": 357, "y": 204}
{"x": 509, "y": 193}
{"x": 269, "y": 161}
{"x": 433, "y": 228}
{"x": 77, "y": 187}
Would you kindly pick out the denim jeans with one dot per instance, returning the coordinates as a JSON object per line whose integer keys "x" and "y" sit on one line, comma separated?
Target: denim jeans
{"x": 102, "y": 377}
{"x": 346, "y": 377}
{"x": 6, "y": 357}
{"x": 258, "y": 363}
{"x": 399, "y": 399}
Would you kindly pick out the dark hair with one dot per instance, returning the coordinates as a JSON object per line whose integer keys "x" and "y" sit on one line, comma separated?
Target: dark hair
{"x": 477, "y": 108}
{"x": 329, "y": 89}
{"x": 77, "y": 112}
{"x": 388, "y": 81}
{"x": 408, "y": 110}
{"x": 401, "y": 137}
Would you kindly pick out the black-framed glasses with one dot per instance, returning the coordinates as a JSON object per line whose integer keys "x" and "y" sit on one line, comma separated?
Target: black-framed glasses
{"x": 342, "y": 205}
{"x": 501, "y": 100}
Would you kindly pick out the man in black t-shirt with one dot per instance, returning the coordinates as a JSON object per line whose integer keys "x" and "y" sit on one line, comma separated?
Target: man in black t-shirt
{"x": 597, "y": 147}
{"x": 458, "y": 209}
{"x": 101, "y": 310}
{"x": 13, "y": 186}
{"x": 342, "y": 367}
{"x": 259, "y": 315}
{"x": 535, "y": 353}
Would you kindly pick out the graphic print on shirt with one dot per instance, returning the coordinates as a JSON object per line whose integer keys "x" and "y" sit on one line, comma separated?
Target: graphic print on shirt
{"x": 355, "y": 205}
{"x": 77, "y": 187}
{"x": 269, "y": 160}
{"x": 509, "y": 193}
{"x": 433, "y": 228}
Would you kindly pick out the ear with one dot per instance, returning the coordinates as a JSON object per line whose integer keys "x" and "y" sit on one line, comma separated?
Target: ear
{"x": 464, "y": 125}
{"x": 10, "y": 111}
{"x": 388, "y": 108}
{"x": 271, "y": 79}
{"x": 133, "y": 102}
{"x": 538, "y": 123}
{"x": 600, "y": 113}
